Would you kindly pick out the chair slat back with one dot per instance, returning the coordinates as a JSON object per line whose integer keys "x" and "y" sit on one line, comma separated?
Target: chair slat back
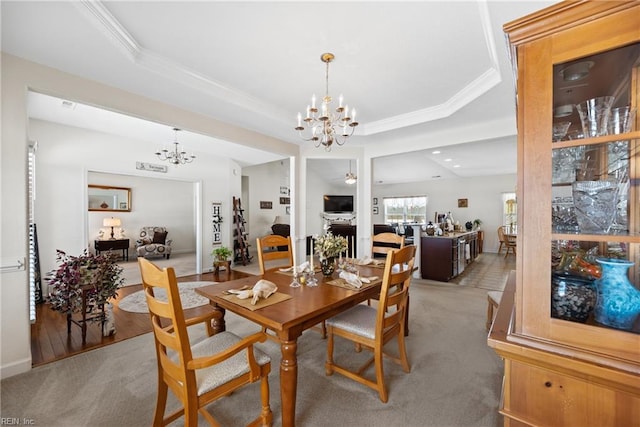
{"x": 273, "y": 241}
{"x": 395, "y": 289}
{"x": 168, "y": 322}
{"x": 383, "y": 243}
{"x": 501, "y": 234}
{"x": 504, "y": 238}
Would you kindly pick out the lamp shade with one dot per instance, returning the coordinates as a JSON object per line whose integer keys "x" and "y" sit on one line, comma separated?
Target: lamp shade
{"x": 111, "y": 222}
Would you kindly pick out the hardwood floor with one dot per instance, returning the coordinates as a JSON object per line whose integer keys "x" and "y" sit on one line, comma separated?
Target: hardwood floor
{"x": 50, "y": 340}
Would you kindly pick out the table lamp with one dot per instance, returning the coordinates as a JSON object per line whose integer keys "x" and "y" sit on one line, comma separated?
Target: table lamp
{"x": 111, "y": 222}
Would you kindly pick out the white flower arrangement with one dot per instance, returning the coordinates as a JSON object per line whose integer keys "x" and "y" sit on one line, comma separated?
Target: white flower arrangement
{"x": 328, "y": 246}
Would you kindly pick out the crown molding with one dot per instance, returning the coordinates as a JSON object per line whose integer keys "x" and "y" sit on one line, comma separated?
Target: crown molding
{"x": 108, "y": 25}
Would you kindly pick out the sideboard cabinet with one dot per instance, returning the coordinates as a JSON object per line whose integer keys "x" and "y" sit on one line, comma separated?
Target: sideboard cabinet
{"x": 560, "y": 370}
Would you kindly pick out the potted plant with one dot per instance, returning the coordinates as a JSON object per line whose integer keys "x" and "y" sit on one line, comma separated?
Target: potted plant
{"x": 221, "y": 254}
{"x": 477, "y": 223}
{"x": 97, "y": 275}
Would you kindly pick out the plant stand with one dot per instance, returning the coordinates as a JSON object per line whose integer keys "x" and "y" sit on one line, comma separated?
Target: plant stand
{"x": 226, "y": 264}
{"x": 86, "y": 316}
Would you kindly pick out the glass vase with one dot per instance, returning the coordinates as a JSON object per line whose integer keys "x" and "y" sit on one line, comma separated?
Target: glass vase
{"x": 328, "y": 266}
{"x": 595, "y": 205}
{"x": 618, "y": 302}
{"x": 572, "y": 297}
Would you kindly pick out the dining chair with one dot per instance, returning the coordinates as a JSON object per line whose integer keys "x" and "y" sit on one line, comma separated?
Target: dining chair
{"x": 201, "y": 373}
{"x": 382, "y": 243}
{"x": 269, "y": 250}
{"x": 508, "y": 242}
{"x": 372, "y": 327}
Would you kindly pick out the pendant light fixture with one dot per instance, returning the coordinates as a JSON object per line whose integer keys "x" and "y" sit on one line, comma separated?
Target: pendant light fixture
{"x": 178, "y": 156}
{"x": 350, "y": 178}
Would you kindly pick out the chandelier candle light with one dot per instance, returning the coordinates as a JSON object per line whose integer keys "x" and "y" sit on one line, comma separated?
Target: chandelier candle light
{"x": 177, "y": 156}
{"x": 323, "y": 126}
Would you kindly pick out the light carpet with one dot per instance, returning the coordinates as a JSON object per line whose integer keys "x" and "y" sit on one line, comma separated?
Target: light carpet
{"x": 184, "y": 264}
{"x": 137, "y": 302}
{"x": 455, "y": 378}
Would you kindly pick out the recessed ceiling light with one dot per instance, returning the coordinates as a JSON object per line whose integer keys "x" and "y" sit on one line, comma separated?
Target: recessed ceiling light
{"x": 456, "y": 166}
{"x": 436, "y": 152}
{"x": 447, "y": 160}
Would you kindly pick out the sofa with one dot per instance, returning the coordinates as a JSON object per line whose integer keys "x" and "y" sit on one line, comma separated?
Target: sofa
{"x": 152, "y": 242}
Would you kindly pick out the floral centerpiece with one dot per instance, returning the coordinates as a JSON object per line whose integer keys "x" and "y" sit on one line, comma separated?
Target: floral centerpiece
{"x": 328, "y": 247}
{"x": 100, "y": 271}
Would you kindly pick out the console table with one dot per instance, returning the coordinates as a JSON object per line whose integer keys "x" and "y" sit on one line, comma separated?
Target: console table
{"x": 108, "y": 245}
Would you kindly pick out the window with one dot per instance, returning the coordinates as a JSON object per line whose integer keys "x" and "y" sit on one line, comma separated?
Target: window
{"x": 405, "y": 209}
{"x": 35, "y": 282}
{"x": 509, "y": 210}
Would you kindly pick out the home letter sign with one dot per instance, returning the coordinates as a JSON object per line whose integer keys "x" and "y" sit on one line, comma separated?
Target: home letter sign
{"x": 216, "y": 220}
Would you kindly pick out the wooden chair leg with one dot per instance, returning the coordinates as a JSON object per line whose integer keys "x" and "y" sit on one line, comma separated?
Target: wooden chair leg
{"x": 328, "y": 366}
{"x": 402, "y": 351}
{"x": 382, "y": 390}
{"x": 266, "y": 416}
{"x": 161, "y": 403}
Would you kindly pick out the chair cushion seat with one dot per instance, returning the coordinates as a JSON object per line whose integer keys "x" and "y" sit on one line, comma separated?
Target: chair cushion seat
{"x": 360, "y": 320}
{"x": 223, "y": 372}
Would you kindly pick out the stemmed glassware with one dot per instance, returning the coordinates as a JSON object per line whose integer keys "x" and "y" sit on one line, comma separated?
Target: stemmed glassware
{"x": 295, "y": 283}
{"x": 310, "y": 277}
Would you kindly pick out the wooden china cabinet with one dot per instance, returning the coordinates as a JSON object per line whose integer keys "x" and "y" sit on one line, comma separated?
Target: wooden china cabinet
{"x": 560, "y": 372}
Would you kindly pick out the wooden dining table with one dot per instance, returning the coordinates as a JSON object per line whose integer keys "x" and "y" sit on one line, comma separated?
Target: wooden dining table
{"x": 307, "y": 307}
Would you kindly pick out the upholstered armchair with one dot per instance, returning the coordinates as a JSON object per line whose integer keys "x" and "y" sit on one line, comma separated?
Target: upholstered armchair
{"x": 283, "y": 230}
{"x": 153, "y": 242}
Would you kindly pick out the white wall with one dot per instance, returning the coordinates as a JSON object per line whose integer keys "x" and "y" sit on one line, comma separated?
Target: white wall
{"x": 484, "y": 196}
{"x": 264, "y": 182}
{"x": 66, "y": 158}
{"x": 215, "y": 179}
{"x": 154, "y": 202}
{"x": 316, "y": 188}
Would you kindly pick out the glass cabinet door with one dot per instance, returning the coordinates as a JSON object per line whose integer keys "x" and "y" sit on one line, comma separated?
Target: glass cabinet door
{"x": 595, "y": 192}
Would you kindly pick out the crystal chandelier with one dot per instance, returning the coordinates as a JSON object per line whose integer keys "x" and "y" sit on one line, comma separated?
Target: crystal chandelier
{"x": 350, "y": 177}
{"x": 323, "y": 126}
{"x": 177, "y": 156}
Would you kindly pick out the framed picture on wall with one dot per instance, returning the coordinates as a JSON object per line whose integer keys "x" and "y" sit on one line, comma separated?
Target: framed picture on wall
{"x": 375, "y": 210}
{"x": 285, "y": 200}
{"x": 284, "y": 190}
{"x": 463, "y": 203}
{"x": 266, "y": 205}
{"x": 375, "y": 201}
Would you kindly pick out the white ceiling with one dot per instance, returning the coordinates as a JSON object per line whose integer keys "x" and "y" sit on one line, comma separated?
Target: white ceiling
{"x": 421, "y": 74}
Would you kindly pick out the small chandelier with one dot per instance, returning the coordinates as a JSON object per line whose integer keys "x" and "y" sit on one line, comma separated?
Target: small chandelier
{"x": 325, "y": 128}
{"x": 350, "y": 177}
{"x": 177, "y": 156}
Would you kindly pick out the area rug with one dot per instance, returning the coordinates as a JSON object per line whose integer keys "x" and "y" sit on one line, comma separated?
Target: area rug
{"x": 137, "y": 303}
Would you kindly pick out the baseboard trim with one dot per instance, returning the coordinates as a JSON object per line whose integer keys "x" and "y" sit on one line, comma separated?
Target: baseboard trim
{"x": 15, "y": 368}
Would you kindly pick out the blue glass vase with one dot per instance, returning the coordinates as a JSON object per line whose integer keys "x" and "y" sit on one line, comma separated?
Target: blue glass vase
{"x": 618, "y": 302}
